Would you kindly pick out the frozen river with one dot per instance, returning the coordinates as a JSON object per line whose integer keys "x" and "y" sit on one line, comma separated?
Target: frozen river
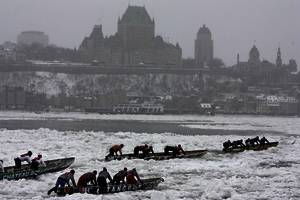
{"x": 270, "y": 174}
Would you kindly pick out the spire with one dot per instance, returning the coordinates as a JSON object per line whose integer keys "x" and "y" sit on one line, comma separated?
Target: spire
{"x": 278, "y": 59}
{"x": 238, "y": 59}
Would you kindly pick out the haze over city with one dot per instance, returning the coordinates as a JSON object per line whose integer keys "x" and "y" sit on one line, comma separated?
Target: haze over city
{"x": 235, "y": 24}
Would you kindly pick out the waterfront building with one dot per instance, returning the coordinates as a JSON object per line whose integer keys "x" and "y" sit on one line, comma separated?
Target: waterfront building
{"x": 138, "y": 109}
{"x": 204, "y": 50}
{"x": 33, "y": 37}
{"x": 272, "y": 104}
{"x": 135, "y": 43}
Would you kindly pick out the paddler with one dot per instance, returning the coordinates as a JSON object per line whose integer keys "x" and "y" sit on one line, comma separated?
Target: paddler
{"x": 254, "y": 141}
{"x": 62, "y": 180}
{"x": 227, "y": 144}
{"x": 176, "y": 150}
{"x": 238, "y": 143}
{"x": 145, "y": 149}
{"x": 263, "y": 140}
{"x": 37, "y": 162}
{"x": 247, "y": 142}
{"x": 101, "y": 180}
{"x": 89, "y": 177}
{"x": 132, "y": 177}
{"x": 120, "y": 176}
{"x": 115, "y": 149}
{"x": 22, "y": 158}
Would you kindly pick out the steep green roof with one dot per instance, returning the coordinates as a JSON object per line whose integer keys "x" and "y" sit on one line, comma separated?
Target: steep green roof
{"x": 136, "y": 15}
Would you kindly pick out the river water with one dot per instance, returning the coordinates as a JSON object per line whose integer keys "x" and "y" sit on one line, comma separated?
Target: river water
{"x": 269, "y": 174}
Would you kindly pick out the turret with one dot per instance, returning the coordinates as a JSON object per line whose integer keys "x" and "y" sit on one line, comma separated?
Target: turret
{"x": 278, "y": 59}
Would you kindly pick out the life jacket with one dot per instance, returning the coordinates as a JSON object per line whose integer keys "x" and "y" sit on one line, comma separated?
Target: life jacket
{"x": 38, "y": 159}
{"x": 130, "y": 178}
{"x": 116, "y": 148}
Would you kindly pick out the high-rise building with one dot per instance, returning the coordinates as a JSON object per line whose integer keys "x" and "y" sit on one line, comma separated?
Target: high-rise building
{"x": 33, "y": 37}
{"x": 204, "y": 50}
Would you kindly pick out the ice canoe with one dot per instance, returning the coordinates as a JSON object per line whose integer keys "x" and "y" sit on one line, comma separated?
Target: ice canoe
{"x": 147, "y": 184}
{"x": 10, "y": 173}
{"x": 257, "y": 147}
{"x": 160, "y": 156}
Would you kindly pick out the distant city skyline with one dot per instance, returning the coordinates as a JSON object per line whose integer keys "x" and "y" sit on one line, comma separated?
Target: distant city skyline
{"x": 236, "y": 25}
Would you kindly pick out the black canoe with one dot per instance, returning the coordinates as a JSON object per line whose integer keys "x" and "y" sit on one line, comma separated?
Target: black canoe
{"x": 10, "y": 173}
{"x": 147, "y": 184}
{"x": 257, "y": 147}
{"x": 159, "y": 156}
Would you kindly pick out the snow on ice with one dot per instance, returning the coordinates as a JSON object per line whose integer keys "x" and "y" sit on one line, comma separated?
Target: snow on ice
{"x": 269, "y": 174}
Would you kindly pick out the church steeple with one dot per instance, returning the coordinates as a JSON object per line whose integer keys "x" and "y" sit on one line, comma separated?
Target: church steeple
{"x": 278, "y": 59}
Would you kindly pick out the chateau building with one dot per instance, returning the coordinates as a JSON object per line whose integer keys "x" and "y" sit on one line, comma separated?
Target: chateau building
{"x": 134, "y": 43}
{"x": 204, "y": 50}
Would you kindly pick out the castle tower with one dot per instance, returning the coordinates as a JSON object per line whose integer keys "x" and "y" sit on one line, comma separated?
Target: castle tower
{"x": 136, "y": 28}
{"x": 254, "y": 56}
{"x": 203, "y": 46}
{"x": 278, "y": 59}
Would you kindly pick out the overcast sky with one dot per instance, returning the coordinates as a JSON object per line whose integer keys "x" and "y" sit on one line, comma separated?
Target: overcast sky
{"x": 235, "y": 24}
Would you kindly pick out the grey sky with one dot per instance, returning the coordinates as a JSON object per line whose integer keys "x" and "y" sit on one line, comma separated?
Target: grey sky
{"x": 235, "y": 24}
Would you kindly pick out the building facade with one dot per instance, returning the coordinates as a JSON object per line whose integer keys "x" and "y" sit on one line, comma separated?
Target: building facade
{"x": 134, "y": 43}
{"x": 33, "y": 37}
{"x": 204, "y": 50}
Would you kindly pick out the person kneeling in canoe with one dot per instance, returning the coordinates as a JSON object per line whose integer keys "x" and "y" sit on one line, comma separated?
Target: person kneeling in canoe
{"x": 263, "y": 140}
{"x": 62, "y": 180}
{"x": 85, "y": 179}
{"x": 37, "y": 162}
{"x": 238, "y": 143}
{"x": 145, "y": 149}
{"x": 115, "y": 149}
{"x": 176, "y": 150}
{"x": 22, "y": 158}
{"x": 120, "y": 177}
{"x": 227, "y": 145}
{"x": 101, "y": 180}
{"x": 248, "y": 142}
{"x": 133, "y": 177}
{"x": 254, "y": 141}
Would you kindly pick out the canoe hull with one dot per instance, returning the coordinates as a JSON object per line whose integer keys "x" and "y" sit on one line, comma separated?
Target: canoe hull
{"x": 148, "y": 184}
{"x": 10, "y": 173}
{"x": 160, "y": 156}
{"x": 254, "y": 148}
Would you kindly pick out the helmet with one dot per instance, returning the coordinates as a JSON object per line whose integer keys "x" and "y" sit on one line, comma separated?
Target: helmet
{"x": 104, "y": 169}
{"x": 125, "y": 169}
{"x": 72, "y": 171}
{"x": 94, "y": 172}
{"x": 179, "y": 145}
{"x": 29, "y": 153}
